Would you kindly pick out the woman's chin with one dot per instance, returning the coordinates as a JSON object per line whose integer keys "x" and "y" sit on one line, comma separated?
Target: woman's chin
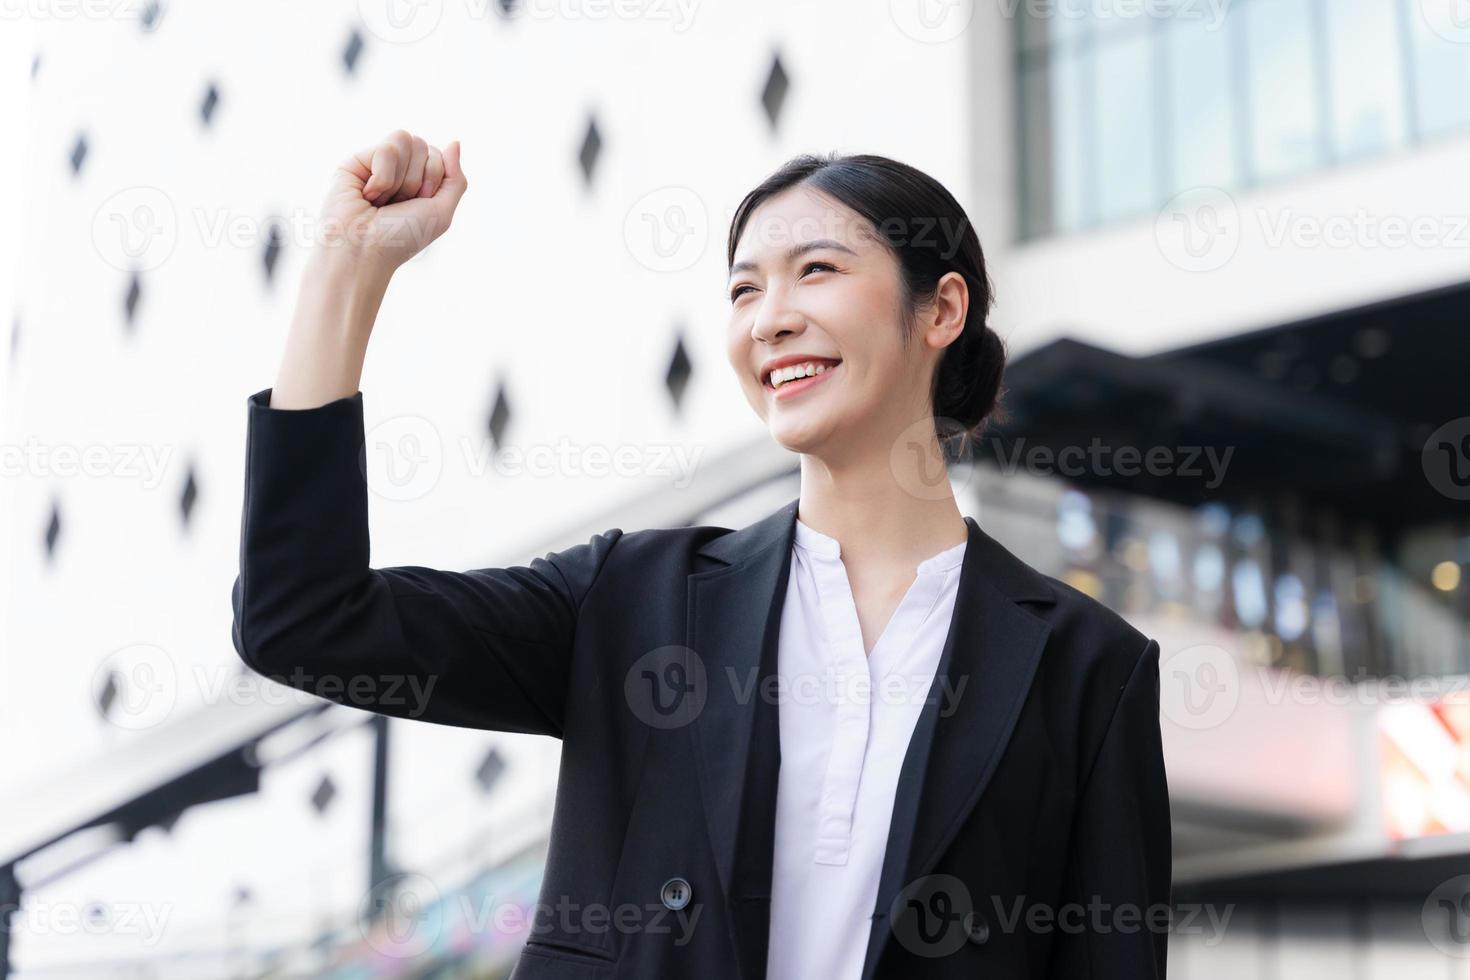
{"x": 805, "y": 436}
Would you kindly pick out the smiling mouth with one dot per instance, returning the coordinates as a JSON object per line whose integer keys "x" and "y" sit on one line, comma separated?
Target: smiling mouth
{"x": 789, "y": 382}
{"x": 798, "y": 375}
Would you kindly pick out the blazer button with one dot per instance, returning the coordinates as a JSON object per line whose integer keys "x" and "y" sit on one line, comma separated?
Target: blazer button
{"x": 676, "y": 894}
{"x": 977, "y": 929}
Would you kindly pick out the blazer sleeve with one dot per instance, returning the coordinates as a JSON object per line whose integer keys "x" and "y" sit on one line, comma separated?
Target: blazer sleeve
{"x": 1116, "y": 906}
{"x": 487, "y": 648}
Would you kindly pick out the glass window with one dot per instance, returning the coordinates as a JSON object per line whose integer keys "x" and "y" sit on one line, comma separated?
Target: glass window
{"x": 1201, "y": 105}
{"x": 1127, "y": 130}
{"x": 1057, "y": 162}
{"x": 1365, "y": 77}
{"x": 1286, "y": 126}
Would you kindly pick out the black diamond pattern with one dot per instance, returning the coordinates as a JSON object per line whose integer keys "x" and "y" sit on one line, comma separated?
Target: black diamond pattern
{"x": 774, "y": 94}
{"x": 130, "y": 302}
{"x": 322, "y": 796}
{"x": 676, "y": 379}
{"x": 78, "y": 153}
{"x": 211, "y": 102}
{"x": 353, "y": 50}
{"x": 53, "y": 530}
{"x": 190, "y": 494}
{"x": 152, "y": 11}
{"x": 35, "y": 64}
{"x": 499, "y": 416}
{"x": 272, "y": 251}
{"x": 489, "y": 770}
{"x": 508, "y": 8}
{"x": 108, "y": 695}
{"x": 591, "y": 150}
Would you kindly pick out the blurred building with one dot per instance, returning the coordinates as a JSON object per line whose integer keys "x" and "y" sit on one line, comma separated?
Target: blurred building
{"x": 1230, "y": 247}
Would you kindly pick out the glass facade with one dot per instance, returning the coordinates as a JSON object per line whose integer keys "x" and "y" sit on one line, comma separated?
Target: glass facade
{"x": 1216, "y": 94}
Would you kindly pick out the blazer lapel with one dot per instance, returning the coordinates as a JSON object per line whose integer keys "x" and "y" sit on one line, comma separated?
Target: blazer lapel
{"x": 985, "y": 671}
{"x": 733, "y": 629}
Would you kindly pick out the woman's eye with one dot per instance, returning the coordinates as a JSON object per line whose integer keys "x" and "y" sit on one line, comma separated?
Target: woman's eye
{"x": 740, "y": 290}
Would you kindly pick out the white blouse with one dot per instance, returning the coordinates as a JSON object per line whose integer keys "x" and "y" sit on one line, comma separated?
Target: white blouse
{"x": 845, "y": 721}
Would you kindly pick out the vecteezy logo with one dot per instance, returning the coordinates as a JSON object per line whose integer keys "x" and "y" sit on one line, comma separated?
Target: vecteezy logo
{"x": 932, "y": 916}
{"x": 136, "y": 687}
{"x": 666, "y": 230}
{"x": 666, "y": 687}
{"x": 403, "y": 457}
{"x": 1199, "y": 686}
{"x": 932, "y": 21}
{"x": 401, "y": 21}
{"x": 1198, "y": 230}
{"x": 400, "y": 916}
{"x": 1446, "y": 459}
{"x": 136, "y": 229}
{"x": 1445, "y": 917}
{"x": 916, "y": 468}
{"x": 1450, "y": 19}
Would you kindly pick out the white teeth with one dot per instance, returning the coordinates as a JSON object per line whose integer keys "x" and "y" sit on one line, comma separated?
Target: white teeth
{"x": 782, "y": 375}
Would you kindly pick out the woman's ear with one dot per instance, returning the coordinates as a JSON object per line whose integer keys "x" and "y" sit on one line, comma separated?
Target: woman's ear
{"x": 944, "y": 319}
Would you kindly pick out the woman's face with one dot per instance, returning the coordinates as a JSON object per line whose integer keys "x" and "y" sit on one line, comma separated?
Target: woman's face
{"x": 811, "y": 283}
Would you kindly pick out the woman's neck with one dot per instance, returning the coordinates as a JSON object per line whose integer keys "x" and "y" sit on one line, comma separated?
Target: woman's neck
{"x": 883, "y": 507}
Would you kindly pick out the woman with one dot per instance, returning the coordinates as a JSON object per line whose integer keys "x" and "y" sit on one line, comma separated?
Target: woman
{"x": 994, "y": 805}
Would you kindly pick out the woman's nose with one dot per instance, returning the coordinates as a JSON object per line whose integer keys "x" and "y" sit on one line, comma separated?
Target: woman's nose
{"x": 776, "y": 319}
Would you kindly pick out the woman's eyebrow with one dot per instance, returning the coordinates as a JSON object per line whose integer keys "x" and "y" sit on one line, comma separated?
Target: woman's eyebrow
{"x": 795, "y": 252}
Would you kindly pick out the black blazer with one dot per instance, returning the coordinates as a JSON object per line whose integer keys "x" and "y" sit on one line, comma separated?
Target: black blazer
{"x": 1031, "y": 831}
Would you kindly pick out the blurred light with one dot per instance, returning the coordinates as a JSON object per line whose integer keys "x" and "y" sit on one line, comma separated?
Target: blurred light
{"x": 1163, "y": 555}
{"x": 1209, "y": 568}
{"x": 1250, "y": 593}
{"x": 1214, "y": 520}
{"x": 1446, "y": 576}
{"x": 1075, "y": 526}
{"x": 1291, "y": 607}
{"x": 1084, "y": 581}
{"x": 1135, "y": 555}
{"x": 1247, "y": 530}
{"x": 1364, "y": 589}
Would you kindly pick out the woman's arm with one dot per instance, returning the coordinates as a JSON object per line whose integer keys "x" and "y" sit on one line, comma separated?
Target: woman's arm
{"x": 385, "y": 204}
{"x": 1115, "y": 912}
{"x": 488, "y": 648}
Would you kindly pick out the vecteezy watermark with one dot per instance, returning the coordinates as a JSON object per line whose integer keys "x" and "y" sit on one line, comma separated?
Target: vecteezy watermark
{"x": 1199, "y": 686}
{"x": 1209, "y": 13}
{"x": 1445, "y": 917}
{"x": 667, "y": 229}
{"x": 65, "y": 10}
{"x": 133, "y": 461}
{"x": 408, "y": 21}
{"x": 567, "y": 458}
{"x": 1200, "y": 229}
{"x": 139, "y": 228}
{"x": 669, "y": 687}
{"x": 143, "y": 921}
{"x": 403, "y": 458}
{"x": 1450, "y": 19}
{"x": 936, "y": 915}
{"x": 1208, "y": 463}
{"x": 140, "y": 685}
{"x": 1446, "y": 459}
{"x": 405, "y": 914}
{"x": 932, "y": 21}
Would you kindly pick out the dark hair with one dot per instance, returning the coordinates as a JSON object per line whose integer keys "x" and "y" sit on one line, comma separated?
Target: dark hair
{"x": 930, "y": 234}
